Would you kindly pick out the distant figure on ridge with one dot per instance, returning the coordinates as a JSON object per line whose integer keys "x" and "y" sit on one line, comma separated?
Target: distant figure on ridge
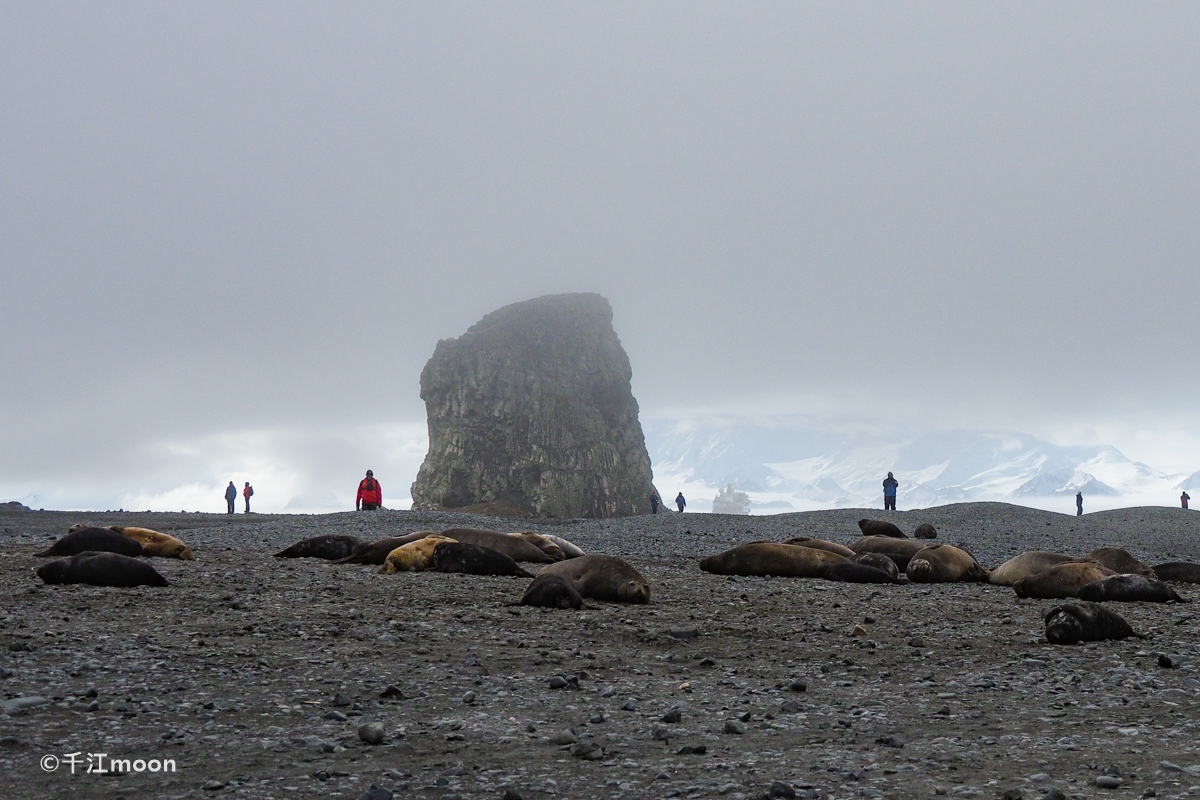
{"x": 654, "y": 502}
{"x": 679, "y": 501}
{"x": 370, "y": 494}
{"x": 247, "y": 493}
{"x": 231, "y": 497}
{"x": 1079, "y": 504}
{"x": 890, "y": 485}
{"x": 1183, "y": 498}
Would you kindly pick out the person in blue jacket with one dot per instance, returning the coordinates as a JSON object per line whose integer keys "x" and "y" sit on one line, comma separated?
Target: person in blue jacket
{"x": 890, "y": 485}
{"x": 230, "y": 496}
{"x": 679, "y": 501}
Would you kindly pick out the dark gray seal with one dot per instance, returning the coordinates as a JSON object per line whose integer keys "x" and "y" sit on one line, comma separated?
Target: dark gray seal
{"x": 878, "y": 527}
{"x": 552, "y": 591}
{"x": 925, "y": 531}
{"x": 1085, "y": 622}
{"x": 878, "y": 561}
{"x": 330, "y": 547}
{"x": 474, "y": 560}
{"x": 1128, "y": 589}
{"x": 609, "y": 578}
{"x": 376, "y": 552}
{"x": 852, "y": 572}
{"x": 95, "y": 540}
{"x": 101, "y": 569}
{"x": 1182, "y": 571}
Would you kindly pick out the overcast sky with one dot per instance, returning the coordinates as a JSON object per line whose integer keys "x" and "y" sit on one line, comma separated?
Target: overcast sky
{"x": 232, "y": 234}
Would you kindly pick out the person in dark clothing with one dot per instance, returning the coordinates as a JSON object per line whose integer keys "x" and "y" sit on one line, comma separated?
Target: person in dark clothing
{"x": 230, "y": 496}
{"x": 1183, "y": 498}
{"x": 1079, "y": 504}
{"x": 247, "y": 493}
{"x": 890, "y": 485}
{"x": 370, "y": 493}
{"x": 654, "y": 502}
{"x": 679, "y": 501}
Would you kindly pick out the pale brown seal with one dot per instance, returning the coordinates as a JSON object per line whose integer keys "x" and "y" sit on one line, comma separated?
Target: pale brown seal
{"x": 1062, "y": 581}
{"x": 944, "y": 563}
{"x": 771, "y": 558}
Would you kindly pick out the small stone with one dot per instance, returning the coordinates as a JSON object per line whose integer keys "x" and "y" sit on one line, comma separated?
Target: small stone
{"x": 672, "y": 717}
{"x": 341, "y": 700}
{"x": 558, "y": 682}
{"x": 708, "y": 662}
{"x": 1013, "y": 794}
{"x": 607, "y": 691}
{"x": 660, "y": 734}
{"x": 943, "y": 711}
{"x": 890, "y": 741}
{"x": 781, "y": 789}
{"x": 468, "y": 698}
{"x": 93, "y": 706}
{"x": 1053, "y": 794}
{"x": 19, "y": 705}
{"x": 512, "y": 794}
{"x": 916, "y": 641}
{"x": 790, "y": 707}
{"x": 336, "y": 716}
{"x": 377, "y": 793}
{"x": 91, "y": 692}
{"x": 630, "y": 705}
{"x": 1108, "y": 781}
{"x": 688, "y": 750}
{"x": 371, "y": 733}
{"x": 392, "y": 692}
{"x": 212, "y": 786}
{"x": 683, "y": 633}
{"x": 564, "y": 738}
{"x": 596, "y": 719}
{"x": 857, "y": 630}
{"x": 734, "y": 727}
{"x": 1165, "y": 661}
{"x": 798, "y": 685}
{"x": 1167, "y": 766}
{"x": 588, "y": 751}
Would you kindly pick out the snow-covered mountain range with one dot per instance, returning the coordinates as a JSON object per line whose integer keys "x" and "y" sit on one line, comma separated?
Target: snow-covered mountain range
{"x": 796, "y": 464}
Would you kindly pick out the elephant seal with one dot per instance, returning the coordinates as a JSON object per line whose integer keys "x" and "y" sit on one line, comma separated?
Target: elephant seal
{"x": 878, "y": 527}
{"x": 330, "y": 547}
{"x": 1182, "y": 571}
{"x": 856, "y": 572}
{"x": 1062, "y": 581}
{"x": 376, "y": 552}
{"x": 514, "y": 547}
{"x": 821, "y": 544}
{"x": 542, "y": 543}
{"x": 455, "y": 556}
{"x": 1085, "y": 622}
{"x": 552, "y": 591}
{"x": 569, "y": 548}
{"x": 1129, "y": 589}
{"x": 898, "y": 550}
{"x": 602, "y": 577}
{"x": 95, "y": 540}
{"x": 944, "y": 563}
{"x": 1120, "y": 561}
{"x": 155, "y": 544}
{"x": 1026, "y": 564}
{"x": 878, "y": 561}
{"x": 925, "y": 531}
{"x": 412, "y": 557}
{"x": 101, "y": 569}
{"x": 769, "y": 558}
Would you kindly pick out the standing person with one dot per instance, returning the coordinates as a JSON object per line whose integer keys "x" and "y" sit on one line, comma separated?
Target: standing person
{"x": 654, "y": 502}
{"x": 1079, "y": 504}
{"x": 230, "y": 496}
{"x": 247, "y": 493}
{"x": 679, "y": 501}
{"x": 370, "y": 494}
{"x": 1183, "y": 498}
{"x": 890, "y": 485}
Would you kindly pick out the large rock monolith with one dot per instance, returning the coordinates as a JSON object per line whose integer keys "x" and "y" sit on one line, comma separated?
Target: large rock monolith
{"x": 532, "y": 409}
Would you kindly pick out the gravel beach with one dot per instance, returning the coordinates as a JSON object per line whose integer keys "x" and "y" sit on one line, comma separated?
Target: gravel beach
{"x": 264, "y": 678}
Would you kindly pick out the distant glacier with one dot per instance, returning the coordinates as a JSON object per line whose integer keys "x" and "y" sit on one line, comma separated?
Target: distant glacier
{"x": 799, "y": 464}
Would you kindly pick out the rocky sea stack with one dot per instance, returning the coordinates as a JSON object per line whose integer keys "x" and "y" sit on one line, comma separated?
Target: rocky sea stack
{"x": 531, "y": 410}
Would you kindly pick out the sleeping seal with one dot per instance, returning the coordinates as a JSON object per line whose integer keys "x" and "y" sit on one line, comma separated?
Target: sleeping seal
{"x": 600, "y": 577}
{"x": 821, "y": 544}
{"x": 155, "y": 544}
{"x": 925, "y": 531}
{"x": 854, "y": 572}
{"x": 96, "y": 540}
{"x": 330, "y": 547}
{"x": 944, "y": 563}
{"x": 101, "y": 569}
{"x": 552, "y": 591}
{"x": 1026, "y": 564}
{"x": 1062, "y": 581}
{"x": 454, "y": 556}
{"x": 1129, "y": 589}
{"x": 1182, "y": 571}
{"x": 898, "y": 550}
{"x": 1120, "y": 561}
{"x": 878, "y": 561}
{"x": 412, "y": 557}
{"x": 769, "y": 558}
{"x": 878, "y": 527}
{"x": 376, "y": 552}
{"x": 569, "y": 548}
{"x": 542, "y": 543}
{"x": 1085, "y": 622}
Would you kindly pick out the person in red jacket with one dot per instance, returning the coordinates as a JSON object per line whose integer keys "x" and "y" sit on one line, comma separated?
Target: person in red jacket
{"x": 370, "y": 495}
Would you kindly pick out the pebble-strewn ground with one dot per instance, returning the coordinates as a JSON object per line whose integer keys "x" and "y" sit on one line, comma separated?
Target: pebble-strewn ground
{"x": 254, "y": 674}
